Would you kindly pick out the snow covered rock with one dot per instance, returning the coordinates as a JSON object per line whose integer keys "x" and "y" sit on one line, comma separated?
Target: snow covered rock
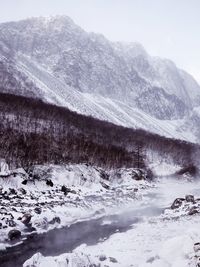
{"x": 79, "y": 191}
{"x": 127, "y": 175}
{"x": 184, "y": 206}
{"x": 197, "y": 249}
{"x": 194, "y": 210}
{"x": 65, "y": 260}
{"x": 189, "y": 198}
{"x": 177, "y": 203}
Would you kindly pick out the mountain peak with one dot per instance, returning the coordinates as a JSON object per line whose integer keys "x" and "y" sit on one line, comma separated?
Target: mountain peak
{"x": 58, "y": 23}
{"x": 62, "y": 19}
{"x": 132, "y": 49}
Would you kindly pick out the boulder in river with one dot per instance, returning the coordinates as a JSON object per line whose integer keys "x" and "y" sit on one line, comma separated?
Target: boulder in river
{"x": 14, "y": 234}
{"x": 26, "y": 218}
{"x": 177, "y": 203}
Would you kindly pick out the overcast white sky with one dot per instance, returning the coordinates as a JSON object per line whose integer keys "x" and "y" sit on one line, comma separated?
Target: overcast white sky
{"x": 166, "y": 28}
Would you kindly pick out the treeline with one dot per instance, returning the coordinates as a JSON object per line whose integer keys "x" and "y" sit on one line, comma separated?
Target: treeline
{"x": 34, "y": 132}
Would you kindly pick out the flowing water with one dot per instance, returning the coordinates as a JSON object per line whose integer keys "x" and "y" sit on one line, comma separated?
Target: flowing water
{"x": 63, "y": 240}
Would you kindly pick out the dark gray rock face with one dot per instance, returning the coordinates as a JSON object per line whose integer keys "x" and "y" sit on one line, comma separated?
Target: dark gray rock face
{"x": 89, "y": 63}
{"x": 14, "y": 81}
{"x": 159, "y": 104}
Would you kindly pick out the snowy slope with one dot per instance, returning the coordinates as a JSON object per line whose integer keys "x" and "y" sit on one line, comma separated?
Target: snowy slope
{"x": 98, "y": 106}
{"x": 54, "y": 59}
{"x": 162, "y": 73}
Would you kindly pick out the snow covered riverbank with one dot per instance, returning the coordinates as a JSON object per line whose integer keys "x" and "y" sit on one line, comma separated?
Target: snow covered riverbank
{"x": 52, "y": 196}
{"x": 155, "y": 241}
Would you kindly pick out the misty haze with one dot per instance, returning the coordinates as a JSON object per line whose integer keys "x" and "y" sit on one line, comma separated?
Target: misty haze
{"x": 99, "y": 133}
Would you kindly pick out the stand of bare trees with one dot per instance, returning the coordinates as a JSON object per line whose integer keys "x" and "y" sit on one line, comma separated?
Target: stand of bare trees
{"x": 34, "y": 132}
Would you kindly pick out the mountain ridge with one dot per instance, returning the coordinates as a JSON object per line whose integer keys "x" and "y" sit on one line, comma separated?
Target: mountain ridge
{"x": 93, "y": 76}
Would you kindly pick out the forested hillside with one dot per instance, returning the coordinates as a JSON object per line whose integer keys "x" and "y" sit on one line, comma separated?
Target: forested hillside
{"x": 34, "y": 132}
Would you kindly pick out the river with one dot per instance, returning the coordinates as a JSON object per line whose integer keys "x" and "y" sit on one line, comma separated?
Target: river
{"x": 58, "y": 241}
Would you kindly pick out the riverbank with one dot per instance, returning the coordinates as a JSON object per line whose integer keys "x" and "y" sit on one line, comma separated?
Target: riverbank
{"x": 53, "y": 197}
{"x": 156, "y": 239}
{"x": 89, "y": 216}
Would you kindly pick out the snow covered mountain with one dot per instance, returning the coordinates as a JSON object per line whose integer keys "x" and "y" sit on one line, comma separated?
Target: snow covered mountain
{"x": 161, "y": 73}
{"x": 54, "y": 59}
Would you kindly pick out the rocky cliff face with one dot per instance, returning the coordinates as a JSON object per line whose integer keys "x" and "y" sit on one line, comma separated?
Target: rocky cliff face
{"x": 54, "y": 59}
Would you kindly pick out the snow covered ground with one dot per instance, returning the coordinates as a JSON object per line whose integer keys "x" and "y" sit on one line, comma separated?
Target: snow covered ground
{"x": 155, "y": 241}
{"x": 55, "y": 196}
